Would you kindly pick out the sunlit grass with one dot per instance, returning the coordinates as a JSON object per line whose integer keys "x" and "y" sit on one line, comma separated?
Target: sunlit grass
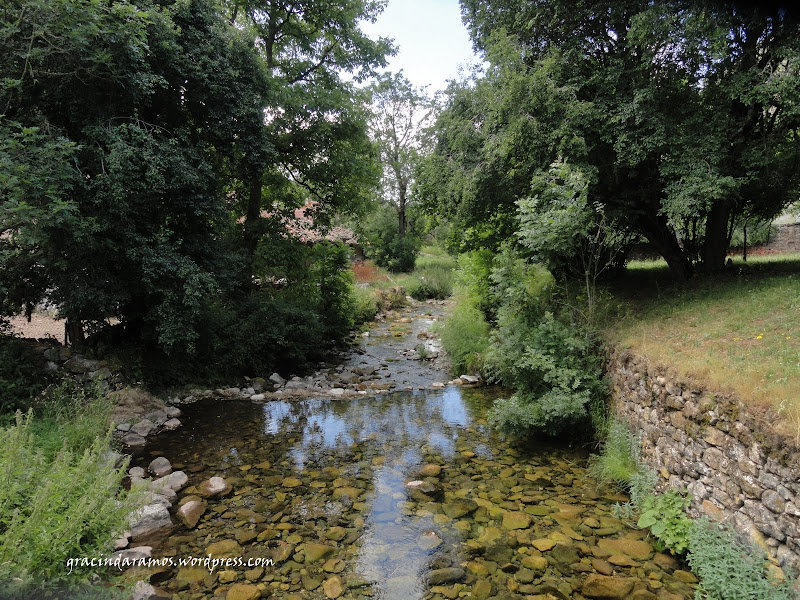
{"x": 739, "y": 331}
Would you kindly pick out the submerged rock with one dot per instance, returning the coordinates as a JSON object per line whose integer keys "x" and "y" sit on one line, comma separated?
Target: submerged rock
{"x": 189, "y": 514}
{"x": 160, "y": 467}
{"x": 216, "y": 487}
{"x": 612, "y": 588}
{"x": 243, "y": 591}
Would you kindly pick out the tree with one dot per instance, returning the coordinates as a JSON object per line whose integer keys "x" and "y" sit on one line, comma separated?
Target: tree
{"x": 315, "y": 125}
{"x": 400, "y": 113}
{"x": 683, "y": 113}
{"x": 115, "y": 117}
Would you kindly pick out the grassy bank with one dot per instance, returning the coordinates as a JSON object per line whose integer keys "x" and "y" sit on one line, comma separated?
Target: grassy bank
{"x": 737, "y": 332}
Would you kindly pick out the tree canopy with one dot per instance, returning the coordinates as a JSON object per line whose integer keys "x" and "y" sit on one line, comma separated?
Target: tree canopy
{"x": 682, "y": 115}
{"x": 137, "y": 137}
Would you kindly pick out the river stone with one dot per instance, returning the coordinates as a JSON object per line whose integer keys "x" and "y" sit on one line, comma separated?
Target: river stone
{"x": 124, "y": 427}
{"x": 189, "y": 514}
{"x": 171, "y": 424}
{"x": 190, "y": 576}
{"x": 243, "y": 591}
{"x": 136, "y": 472}
{"x": 636, "y": 549}
{"x": 277, "y": 379}
{"x": 333, "y": 587}
{"x": 543, "y": 545}
{"x": 224, "y": 549}
{"x": 482, "y": 589}
{"x": 148, "y": 520}
{"x": 516, "y": 520}
{"x": 159, "y": 467}
{"x": 564, "y": 554}
{"x": 216, "y": 487}
{"x": 292, "y": 482}
{"x": 428, "y": 541}
{"x": 134, "y": 439}
{"x": 315, "y": 551}
{"x": 336, "y": 533}
{"x": 334, "y": 565}
{"x": 424, "y": 491}
{"x": 430, "y": 470}
{"x": 612, "y": 588}
{"x": 535, "y": 563}
{"x": 525, "y": 576}
{"x": 446, "y": 575}
{"x": 143, "y": 427}
{"x": 602, "y": 566}
{"x": 172, "y": 412}
{"x": 352, "y": 493}
{"x": 459, "y": 507}
{"x": 145, "y": 591}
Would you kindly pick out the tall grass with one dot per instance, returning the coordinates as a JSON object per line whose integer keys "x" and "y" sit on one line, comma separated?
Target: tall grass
{"x": 59, "y": 495}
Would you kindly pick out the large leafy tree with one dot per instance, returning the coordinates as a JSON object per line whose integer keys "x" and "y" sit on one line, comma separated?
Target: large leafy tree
{"x": 315, "y": 122}
{"x": 114, "y": 118}
{"x": 687, "y": 111}
{"x": 400, "y": 112}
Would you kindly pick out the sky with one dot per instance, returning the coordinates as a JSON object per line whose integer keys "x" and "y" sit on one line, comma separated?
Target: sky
{"x": 432, "y": 40}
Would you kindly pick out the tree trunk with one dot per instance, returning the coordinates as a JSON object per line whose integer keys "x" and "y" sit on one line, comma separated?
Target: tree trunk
{"x": 715, "y": 245}
{"x": 663, "y": 240}
{"x": 401, "y": 210}
{"x": 73, "y": 333}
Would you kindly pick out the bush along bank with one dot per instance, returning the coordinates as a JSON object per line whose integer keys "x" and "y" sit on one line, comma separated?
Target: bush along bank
{"x": 511, "y": 325}
{"x": 61, "y": 496}
{"x": 728, "y": 566}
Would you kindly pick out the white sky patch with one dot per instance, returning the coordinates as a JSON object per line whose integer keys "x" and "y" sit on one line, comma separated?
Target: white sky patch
{"x": 432, "y": 40}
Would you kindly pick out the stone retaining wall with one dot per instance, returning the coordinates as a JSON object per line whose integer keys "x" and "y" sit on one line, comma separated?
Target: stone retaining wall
{"x": 723, "y": 453}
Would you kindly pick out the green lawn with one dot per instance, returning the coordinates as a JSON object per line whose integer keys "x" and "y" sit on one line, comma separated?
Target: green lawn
{"x": 739, "y": 331}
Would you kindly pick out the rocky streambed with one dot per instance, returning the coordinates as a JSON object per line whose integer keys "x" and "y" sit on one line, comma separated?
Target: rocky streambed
{"x": 403, "y": 494}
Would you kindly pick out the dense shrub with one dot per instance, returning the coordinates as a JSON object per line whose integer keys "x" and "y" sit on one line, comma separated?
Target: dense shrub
{"x": 58, "y": 503}
{"x": 366, "y": 304}
{"x": 620, "y": 458}
{"x": 554, "y": 366}
{"x": 384, "y": 243}
{"x": 20, "y": 377}
{"x": 472, "y": 281}
{"x": 431, "y": 282}
{"x": 465, "y": 337}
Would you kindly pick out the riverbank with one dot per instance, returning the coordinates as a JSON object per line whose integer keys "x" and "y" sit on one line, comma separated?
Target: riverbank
{"x": 396, "y": 494}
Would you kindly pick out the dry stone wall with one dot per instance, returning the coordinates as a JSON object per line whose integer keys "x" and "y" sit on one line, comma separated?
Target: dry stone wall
{"x": 721, "y": 451}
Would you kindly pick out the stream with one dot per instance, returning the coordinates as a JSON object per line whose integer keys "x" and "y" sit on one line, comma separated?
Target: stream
{"x": 402, "y": 494}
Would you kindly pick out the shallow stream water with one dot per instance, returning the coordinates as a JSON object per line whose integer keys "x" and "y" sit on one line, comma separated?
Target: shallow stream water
{"x": 398, "y": 496}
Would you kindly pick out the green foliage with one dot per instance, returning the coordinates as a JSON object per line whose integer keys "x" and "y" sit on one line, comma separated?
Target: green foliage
{"x": 287, "y": 325}
{"x": 20, "y": 377}
{"x": 465, "y": 337}
{"x": 554, "y": 366}
{"x": 665, "y": 516}
{"x": 730, "y": 569}
{"x": 433, "y": 281}
{"x": 674, "y": 146}
{"x": 472, "y": 279}
{"x": 366, "y": 304}
{"x": 758, "y": 232}
{"x": 557, "y": 218}
{"x": 70, "y": 416}
{"x": 56, "y": 503}
{"x": 620, "y": 458}
{"x": 390, "y": 250}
